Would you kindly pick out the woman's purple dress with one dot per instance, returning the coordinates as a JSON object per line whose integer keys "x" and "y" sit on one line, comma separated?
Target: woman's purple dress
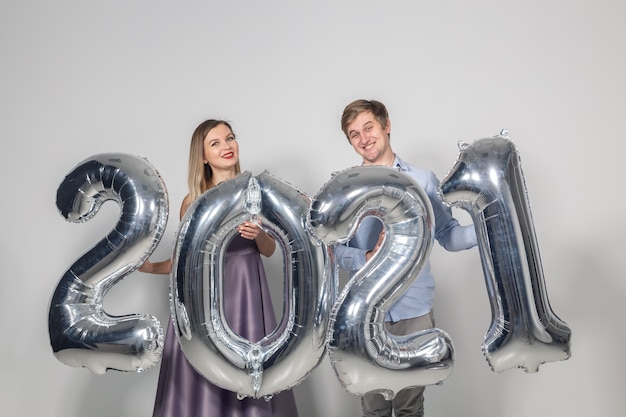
{"x": 183, "y": 392}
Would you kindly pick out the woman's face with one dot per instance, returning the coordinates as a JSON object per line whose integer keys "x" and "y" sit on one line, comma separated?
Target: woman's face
{"x": 221, "y": 150}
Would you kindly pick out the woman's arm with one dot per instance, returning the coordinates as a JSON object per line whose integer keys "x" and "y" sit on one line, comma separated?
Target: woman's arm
{"x": 161, "y": 267}
{"x": 184, "y": 206}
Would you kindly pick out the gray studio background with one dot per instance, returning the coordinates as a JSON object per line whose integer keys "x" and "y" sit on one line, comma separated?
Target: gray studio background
{"x": 84, "y": 77}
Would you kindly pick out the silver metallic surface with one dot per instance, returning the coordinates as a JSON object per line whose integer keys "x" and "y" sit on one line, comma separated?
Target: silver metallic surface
{"x": 365, "y": 356}
{"x": 82, "y": 334}
{"x": 287, "y": 355}
{"x": 487, "y": 181}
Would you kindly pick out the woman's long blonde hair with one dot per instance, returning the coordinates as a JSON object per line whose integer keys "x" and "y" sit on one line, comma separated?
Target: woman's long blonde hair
{"x": 200, "y": 174}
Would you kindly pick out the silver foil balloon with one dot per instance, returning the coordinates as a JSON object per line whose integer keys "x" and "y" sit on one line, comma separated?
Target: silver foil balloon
{"x": 365, "y": 356}
{"x": 82, "y": 334}
{"x": 288, "y": 354}
{"x": 487, "y": 181}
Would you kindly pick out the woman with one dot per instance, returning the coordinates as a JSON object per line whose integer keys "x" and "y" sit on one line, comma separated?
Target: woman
{"x": 181, "y": 391}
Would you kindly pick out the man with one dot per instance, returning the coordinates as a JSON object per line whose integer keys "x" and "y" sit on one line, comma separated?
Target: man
{"x": 367, "y": 126}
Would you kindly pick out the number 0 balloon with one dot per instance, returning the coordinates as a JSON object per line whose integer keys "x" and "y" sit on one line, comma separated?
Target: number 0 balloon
{"x": 487, "y": 181}
{"x": 287, "y": 355}
{"x": 82, "y": 334}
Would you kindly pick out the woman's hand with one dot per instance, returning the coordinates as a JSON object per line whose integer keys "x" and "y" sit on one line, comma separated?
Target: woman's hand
{"x": 249, "y": 230}
{"x": 264, "y": 242}
{"x": 147, "y": 267}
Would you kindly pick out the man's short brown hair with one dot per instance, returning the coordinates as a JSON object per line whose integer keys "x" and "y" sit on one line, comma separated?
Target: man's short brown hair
{"x": 352, "y": 110}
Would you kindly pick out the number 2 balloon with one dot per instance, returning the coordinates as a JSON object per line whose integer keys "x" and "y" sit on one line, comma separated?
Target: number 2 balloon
{"x": 82, "y": 334}
{"x": 365, "y": 355}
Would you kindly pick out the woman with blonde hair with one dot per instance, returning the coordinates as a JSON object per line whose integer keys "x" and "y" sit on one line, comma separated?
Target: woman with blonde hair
{"x": 182, "y": 391}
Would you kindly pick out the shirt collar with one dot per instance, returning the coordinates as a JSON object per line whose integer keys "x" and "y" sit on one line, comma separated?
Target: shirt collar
{"x": 400, "y": 164}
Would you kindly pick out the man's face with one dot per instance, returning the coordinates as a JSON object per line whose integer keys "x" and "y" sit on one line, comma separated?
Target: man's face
{"x": 370, "y": 140}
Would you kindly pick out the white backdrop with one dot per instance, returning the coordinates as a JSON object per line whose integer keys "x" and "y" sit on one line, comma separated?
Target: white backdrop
{"x": 79, "y": 78}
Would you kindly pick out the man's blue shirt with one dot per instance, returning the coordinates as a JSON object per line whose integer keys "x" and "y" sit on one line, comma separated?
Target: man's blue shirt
{"x": 418, "y": 299}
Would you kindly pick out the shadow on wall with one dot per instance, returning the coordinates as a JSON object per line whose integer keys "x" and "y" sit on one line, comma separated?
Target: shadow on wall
{"x": 120, "y": 394}
{"x": 321, "y": 393}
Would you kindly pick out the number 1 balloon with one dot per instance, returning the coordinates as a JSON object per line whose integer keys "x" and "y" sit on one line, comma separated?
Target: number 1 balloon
{"x": 487, "y": 181}
{"x": 283, "y": 358}
{"x": 365, "y": 356}
{"x": 82, "y": 334}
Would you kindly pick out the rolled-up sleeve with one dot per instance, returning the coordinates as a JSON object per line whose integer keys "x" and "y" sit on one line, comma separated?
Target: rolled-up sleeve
{"x": 448, "y": 232}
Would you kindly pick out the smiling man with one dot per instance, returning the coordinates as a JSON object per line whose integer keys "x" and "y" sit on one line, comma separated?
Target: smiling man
{"x": 367, "y": 126}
